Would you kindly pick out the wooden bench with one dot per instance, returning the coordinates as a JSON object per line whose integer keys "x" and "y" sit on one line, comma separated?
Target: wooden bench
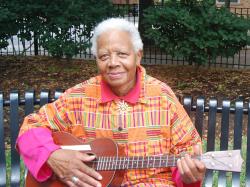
{"x": 225, "y": 126}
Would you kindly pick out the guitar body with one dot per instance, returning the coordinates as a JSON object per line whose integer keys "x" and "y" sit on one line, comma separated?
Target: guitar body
{"x": 100, "y": 147}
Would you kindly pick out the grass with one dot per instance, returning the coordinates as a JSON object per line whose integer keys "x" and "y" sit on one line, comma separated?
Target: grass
{"x": 8, "y": 171}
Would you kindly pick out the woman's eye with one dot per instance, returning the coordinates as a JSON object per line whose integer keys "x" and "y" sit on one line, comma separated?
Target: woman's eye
{"x": 104, "y": 57}
{"x": 123, "y": 55}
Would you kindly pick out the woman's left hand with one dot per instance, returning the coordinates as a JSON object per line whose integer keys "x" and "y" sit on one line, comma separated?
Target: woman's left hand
{"x": 191, "y": 170}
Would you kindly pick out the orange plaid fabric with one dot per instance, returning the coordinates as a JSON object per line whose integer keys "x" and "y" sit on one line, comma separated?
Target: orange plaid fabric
{"x": 157, "y": 124}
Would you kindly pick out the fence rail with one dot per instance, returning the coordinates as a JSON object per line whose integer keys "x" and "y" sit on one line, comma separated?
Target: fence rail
{"x": 152, "y": 55}
{"x": 241, "y": 11}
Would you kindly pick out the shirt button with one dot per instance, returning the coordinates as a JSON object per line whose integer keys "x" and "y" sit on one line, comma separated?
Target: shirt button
{"x": 119, "y": 128}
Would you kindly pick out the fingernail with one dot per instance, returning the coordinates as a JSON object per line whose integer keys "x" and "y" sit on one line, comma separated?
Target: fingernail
{"x": 100, "y": 177}
{"x": 99, "y": 185}
{"x": 92, "y": 157}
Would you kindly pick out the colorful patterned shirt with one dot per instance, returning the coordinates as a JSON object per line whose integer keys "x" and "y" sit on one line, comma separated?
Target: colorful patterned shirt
{"x": 148, "y": 121}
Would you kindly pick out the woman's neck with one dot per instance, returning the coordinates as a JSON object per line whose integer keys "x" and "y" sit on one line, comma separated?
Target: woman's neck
{"x": 125, "y": 89}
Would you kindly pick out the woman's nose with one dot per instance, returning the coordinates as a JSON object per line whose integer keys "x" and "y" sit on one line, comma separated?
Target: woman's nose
{"x": 113, "y": 60}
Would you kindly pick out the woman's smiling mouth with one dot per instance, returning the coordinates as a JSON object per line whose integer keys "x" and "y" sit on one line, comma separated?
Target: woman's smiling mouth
{"x": 115, "y": 75}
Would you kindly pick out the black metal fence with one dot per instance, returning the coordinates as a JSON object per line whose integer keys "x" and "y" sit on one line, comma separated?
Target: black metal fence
{"x": 152, "y": 54}
{"x": 241, "y": 60}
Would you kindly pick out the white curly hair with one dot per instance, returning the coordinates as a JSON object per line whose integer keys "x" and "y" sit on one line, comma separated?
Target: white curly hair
{"x": 120, "y": 24}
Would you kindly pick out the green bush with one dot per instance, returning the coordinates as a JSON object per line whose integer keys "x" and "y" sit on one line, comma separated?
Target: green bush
{"x": 196, "y": 30}
{"x": 57, "y": 24}
{"x": 7, "y": 25}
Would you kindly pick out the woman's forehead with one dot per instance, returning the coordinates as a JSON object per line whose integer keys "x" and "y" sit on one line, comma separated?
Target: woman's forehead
{"x": 115, "y": 34}
{"x": 114, "y": 39}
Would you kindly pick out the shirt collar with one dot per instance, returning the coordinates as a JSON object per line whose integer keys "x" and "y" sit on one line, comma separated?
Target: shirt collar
{"x": 132, "y": 97}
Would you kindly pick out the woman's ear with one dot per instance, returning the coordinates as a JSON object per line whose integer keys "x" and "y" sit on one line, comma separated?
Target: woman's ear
{"x": 139, "y": 56}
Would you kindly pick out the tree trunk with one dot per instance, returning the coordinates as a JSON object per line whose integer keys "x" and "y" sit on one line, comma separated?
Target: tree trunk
{"x": 143, "y": 4}
{"x": 35, "y": 43}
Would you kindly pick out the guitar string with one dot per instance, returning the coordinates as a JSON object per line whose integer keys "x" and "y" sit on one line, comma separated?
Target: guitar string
{"x": 158, "y": 157}
{"x": 160, "y": 161}
{"x": 154, "y": 158}
{"x": 127, "y": 163}
{"x": 216, "y": 159}
{"x": 141, "y": 158}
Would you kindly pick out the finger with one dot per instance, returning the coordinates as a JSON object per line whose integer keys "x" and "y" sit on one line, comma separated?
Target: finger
{"x": 201, "y": 169}
{"x": 81, "y": 184}
{"x": 200, "y": 166}
{"x": 197, "y": 150}
{"x": 85, "y": 157}
{"x": 85, "y": 185}
{"x": 189, "y": 168}
{"x": 180, "y": 169}
{"x": 70, "y": 184}
{"x": 89, "y": 171}
{"x": 84, "y": 168}
{"x": 85, "y": 179}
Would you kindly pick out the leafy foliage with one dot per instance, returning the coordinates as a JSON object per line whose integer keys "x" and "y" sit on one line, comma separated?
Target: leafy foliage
{"x": 7, "y": 24}
{"x": 57, "y": 24}
{"x": 196, "y": 30}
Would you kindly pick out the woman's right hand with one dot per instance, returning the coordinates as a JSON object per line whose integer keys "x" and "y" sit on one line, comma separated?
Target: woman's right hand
{"x": 69, "y": 165}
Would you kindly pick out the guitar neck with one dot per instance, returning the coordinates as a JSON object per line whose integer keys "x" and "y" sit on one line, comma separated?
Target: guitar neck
{"x": 136, "y": 162}
{"x": 228, "y": 160}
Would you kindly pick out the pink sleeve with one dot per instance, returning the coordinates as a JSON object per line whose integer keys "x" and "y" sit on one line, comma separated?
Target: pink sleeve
{"x": 177, "y": 179}
{"x": 35, "y": 147}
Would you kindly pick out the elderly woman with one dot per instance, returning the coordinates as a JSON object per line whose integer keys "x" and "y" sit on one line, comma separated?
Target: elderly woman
{"x": 139, "y": 112}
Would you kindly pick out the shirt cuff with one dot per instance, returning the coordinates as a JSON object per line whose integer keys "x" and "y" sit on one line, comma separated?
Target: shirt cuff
{"x": 177, "y": 179}
{"x": 35, "y": 147}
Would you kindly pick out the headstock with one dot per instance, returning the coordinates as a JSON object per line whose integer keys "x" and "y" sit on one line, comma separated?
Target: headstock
{"x": 230, "y": 160}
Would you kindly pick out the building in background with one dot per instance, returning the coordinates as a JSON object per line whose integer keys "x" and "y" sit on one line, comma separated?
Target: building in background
{"x": 235, "y": 3}
{"x": 125, "y": 1}
{"x": 241, "y": 7}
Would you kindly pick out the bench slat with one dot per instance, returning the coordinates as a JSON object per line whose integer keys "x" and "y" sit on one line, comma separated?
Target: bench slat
{"x": 2, "y": 146}
{"x": 44, "y": 97}
{"x": 211, "y": 124}
{"x": 248, "y": 148}
{"x": 187, "y": 104}
{"x": 237, "y": 136}
{"x": 222, "y": 180}
{"x": 14, "y": 127}
{"x": 29, "y": 101}
{"x": 200, "y": 105}
{"x": 29, "y": 107}
{"x": 211, "y": 136}
{"x": 58, "y": 93}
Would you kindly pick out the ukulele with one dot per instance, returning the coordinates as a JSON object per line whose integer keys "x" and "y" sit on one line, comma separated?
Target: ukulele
{"x": 111, "y": 163}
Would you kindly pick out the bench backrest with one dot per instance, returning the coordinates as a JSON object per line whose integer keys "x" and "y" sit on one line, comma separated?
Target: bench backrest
{"x": 197, "y": 110}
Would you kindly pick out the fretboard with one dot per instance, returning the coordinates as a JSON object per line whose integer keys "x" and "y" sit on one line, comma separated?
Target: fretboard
{"x": 136, "y": 162}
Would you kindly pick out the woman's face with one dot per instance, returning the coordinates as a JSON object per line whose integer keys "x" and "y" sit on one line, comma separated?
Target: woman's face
{"x": 117, "y": 60}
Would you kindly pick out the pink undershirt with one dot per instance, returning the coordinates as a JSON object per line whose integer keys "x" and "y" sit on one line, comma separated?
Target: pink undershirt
{"x": 37, "y": 144}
